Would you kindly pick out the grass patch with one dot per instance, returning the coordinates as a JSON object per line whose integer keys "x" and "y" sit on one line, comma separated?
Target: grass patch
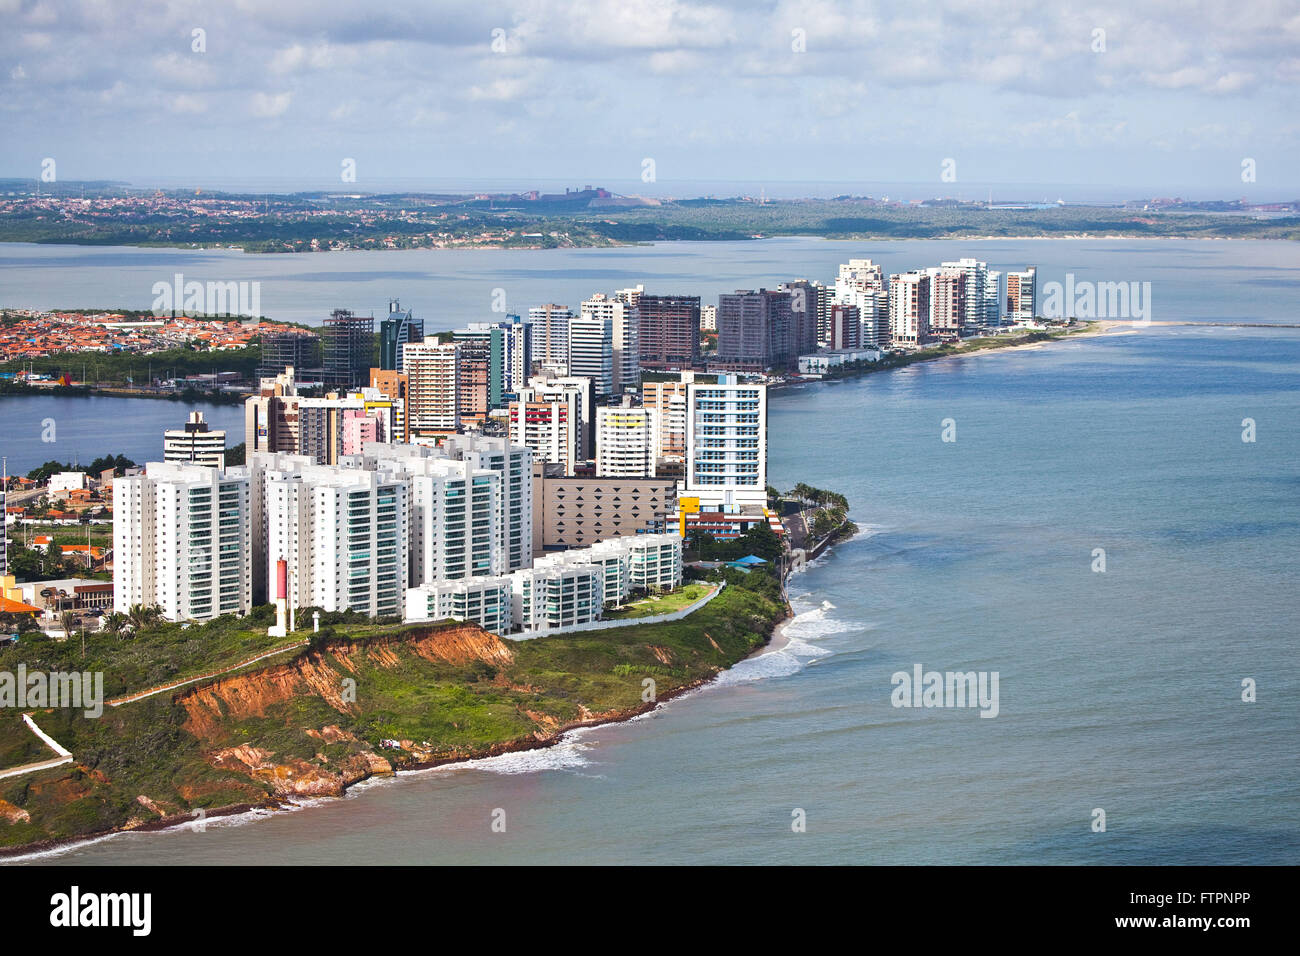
{"x": 665, "y": 603}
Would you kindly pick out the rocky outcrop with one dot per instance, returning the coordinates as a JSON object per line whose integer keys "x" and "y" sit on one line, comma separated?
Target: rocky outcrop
{"x": 11, "y": 814}
{"x": 296, "y": 777}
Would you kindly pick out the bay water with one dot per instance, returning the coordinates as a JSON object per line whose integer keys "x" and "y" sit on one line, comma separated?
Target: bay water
{"x": 1120, "y": 689}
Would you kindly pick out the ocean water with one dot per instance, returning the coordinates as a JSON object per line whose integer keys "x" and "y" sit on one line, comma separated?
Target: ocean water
{"x": 1119, "y": 690}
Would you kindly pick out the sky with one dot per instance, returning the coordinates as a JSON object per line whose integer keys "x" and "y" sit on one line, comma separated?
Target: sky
{"x": 1139, "y": 98}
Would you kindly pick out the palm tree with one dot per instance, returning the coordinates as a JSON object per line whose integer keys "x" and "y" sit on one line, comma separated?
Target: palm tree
{"x": 68, "y": 620}
{"x": 143, "y": 615}
{"x": 115, "y": 623}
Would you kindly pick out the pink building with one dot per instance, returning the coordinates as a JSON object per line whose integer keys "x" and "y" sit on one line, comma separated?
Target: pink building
{"x": 358, "y": 428}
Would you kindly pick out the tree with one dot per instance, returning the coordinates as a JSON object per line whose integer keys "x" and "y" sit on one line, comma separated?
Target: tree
{"x": 42, "y": 473}
{"x": 115, "y": 623}
{"x": 68, "y": 621}
{"x": 142, "y": 616}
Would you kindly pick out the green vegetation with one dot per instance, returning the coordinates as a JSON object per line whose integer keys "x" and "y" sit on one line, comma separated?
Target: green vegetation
{"x": 123, "y": 367}
{"x": 759, "y": 540}
{"x": 119, "y": 463}
{"x": 467, "y": 696}
{"x": 48, "y": 564}
{"x": 404, "y": 221}
{"x": 983, "y": 343}
{"x": 654, "y": 604}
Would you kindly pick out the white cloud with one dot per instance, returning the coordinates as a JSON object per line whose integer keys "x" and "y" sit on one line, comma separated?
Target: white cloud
{"x": 270, "y": 105}
{"x": 187, "y": 103}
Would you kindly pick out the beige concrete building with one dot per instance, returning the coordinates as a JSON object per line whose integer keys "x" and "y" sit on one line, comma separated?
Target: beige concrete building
{"x": 573, "y": 512}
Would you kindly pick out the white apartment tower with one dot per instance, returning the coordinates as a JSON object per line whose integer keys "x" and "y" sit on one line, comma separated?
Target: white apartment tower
{"x": 514, "y": 463}
{"x": 182, "y": 540}
{"x": 981, "y": 291}
{"x": 599, "y": 338}
{"x": 626, "y": 438}
{"x": 456, "y": 515}
{"x": 343, "y": 531}
{"x": 726, "y": 442}
{"x": 549, "y": 427}
{"x": 862, "y": 283}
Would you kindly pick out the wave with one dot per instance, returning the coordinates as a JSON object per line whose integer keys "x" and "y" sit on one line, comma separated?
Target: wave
{"x": 568, "y": 754}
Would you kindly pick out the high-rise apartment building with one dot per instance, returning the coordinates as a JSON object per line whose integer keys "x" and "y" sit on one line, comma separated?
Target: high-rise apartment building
{"x": 271, "y": 416}
{"x": 476, "y": 374}
{"x": 626, "y": 326}
{"x": 514, "y": 463}
{"x": 909, "y": 308}
{"x": 982, "y": 300}
{"x": 668, "y": 399}
{"x": 579, "y": 395}
{"x": 862, "y": 283}
{"x": 1022, "y": 295}
{"x": 809, "y": 309}
{"x": 993, "y": 298}
{"x": 393, "y": 386}
{"x": 347, "y": 341}
{"x": 620, "y": 313}
{"x": 756, "y": 331}
{"x": 591, "y": 345}
{"x": 550, "y": 427}
{"x": 196, "y": 442}
{"x": 338, "y": 425}
{"x": 182, "y": 540}
{"x": 342, "y": 531}
{"x": 844, "y": 327}
{"x": 726, "y": 443}
{"x": 550, "y": 334}
{"x": 948, "y": 299}
{"x": 625, "y": 441}
{"x": 396, "y": 329}
{"x": 433, "y": 380}
{"x": 511, "y": 529}
{"x": 504, "y": 352}
{"x": 669, "y": 330}
{"x": 708, "y": 318}
{"x": 456, "y": 511}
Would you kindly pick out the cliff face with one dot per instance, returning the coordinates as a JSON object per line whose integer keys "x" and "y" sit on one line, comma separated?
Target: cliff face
{"x": 211, "y": 707}
{"x": 329, "y": 673}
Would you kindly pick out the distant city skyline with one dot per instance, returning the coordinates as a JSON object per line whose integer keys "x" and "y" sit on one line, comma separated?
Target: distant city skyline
{"x": 1112, "y": 100}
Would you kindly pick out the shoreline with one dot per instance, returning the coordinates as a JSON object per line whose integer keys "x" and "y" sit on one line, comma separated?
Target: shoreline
{"x": 1084, "y": 236}
{"x": 519, "y": 745}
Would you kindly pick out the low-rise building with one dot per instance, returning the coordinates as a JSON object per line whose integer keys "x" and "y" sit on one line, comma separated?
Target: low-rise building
{"x": 819, "y": 363}
{"x": 572, "y": 512}
{"x": 485, "y": 601}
